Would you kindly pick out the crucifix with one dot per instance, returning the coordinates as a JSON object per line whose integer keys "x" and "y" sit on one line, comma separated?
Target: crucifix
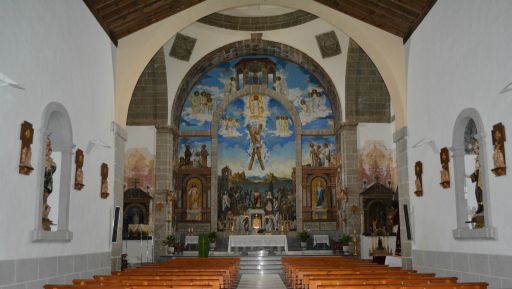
{"x": 255, "y": 133}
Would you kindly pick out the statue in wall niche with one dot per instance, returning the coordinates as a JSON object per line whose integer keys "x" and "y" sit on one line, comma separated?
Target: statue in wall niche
{"x": 49, "y": 169}
{"x": 26, "y": 137}
{"x": 418, "y": 172}
{"x": 445, "y": 171}
{"x": 476, "y": 177}
{"x": 498, "y": 155}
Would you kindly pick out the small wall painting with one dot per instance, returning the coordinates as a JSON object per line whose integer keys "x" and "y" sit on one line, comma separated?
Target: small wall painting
{"x": 498, "y": 155}
{"x": 79, "y": 173}
{"x": 418, "y": 172}
{"x": 26, "y": 137}
{"x": 445, "y": 171}
{"x": 104, "y": 181}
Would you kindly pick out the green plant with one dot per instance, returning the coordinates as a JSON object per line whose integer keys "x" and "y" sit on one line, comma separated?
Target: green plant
{"x": 212, "y": 237}
{"x": 345, "y": 239}
{"x": 170, "y": 240}
{"x": 304, "y": 236}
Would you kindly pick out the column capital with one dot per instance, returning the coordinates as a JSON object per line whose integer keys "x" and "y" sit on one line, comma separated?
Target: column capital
{"x": 347, "y": 125}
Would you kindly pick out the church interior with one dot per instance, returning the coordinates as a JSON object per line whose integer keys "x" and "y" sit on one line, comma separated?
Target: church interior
{"x": 255, "y": 144}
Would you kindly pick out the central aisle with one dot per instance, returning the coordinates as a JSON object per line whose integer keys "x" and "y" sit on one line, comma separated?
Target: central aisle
{"x": 253, "y": 281}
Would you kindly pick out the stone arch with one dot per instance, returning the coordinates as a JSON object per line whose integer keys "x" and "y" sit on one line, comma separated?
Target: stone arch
{"x": 458, "y": 150}
{"x": 261, "y": 89}
{"x": 56, "y": 125}
{"x": 386, "y": 50}
{"x": 254, "y": 47}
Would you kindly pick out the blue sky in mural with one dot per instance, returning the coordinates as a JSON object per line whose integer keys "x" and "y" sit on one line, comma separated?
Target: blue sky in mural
{"x": 195, "y": 144}
{"x": 315, "y": 111}
{"x": 277, "y": 137}
{"x": 317, "y": 140}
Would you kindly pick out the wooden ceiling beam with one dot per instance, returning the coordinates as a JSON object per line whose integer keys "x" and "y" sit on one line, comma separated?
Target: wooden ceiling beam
{"x": 418, "y": 20}
{"x": 120, "y": 18}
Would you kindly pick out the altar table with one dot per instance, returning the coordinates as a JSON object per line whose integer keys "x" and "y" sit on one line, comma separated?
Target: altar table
{"x": 191, "y": 240}
{"x": 258, "y": 241}
{"x": 321, "y": 239}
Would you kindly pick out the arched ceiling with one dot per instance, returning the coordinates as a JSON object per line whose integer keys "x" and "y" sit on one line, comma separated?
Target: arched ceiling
{"x": 120, "y": 18}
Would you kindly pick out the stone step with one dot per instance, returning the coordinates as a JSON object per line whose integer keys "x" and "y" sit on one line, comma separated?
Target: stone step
{"x": 261, "y": 267}
{"x": 260, "y": 262}
{"x": 261, "y": 271}
{"x": 260, "y": 258}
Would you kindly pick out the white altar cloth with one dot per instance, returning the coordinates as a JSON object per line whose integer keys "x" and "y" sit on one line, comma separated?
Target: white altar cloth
{"x": 191, "y": 240}
{"x": 258, "y": 241}
{"x": 321, "y": 239}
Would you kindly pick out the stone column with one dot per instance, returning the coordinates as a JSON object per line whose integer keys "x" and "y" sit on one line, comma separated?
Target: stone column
{"x": 400, "y": 139}
{"x": 163, "y": 176}
{"x": 120, "y": 137}
{"x": 350, "y": 171}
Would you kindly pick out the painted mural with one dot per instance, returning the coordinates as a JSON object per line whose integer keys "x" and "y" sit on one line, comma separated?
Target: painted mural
{"x": 376, "y": 164}
{"x": 319, "y": 151}
{"x": 297, "y": 84}
{"x": 256, "y": 157}
{"x": 139, "y": 169}
{"x": 194, "y": 152}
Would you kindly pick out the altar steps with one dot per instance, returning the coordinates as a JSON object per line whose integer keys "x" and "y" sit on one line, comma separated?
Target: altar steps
{"x": 261, "y": 265}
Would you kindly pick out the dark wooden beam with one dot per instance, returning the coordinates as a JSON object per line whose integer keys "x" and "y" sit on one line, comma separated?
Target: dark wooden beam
{"x": 89, "y": 5}
{"x": 418, "y": 20}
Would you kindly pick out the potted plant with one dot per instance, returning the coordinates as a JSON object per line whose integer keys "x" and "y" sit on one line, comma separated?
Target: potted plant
{"x": 212, "y": 237}
{"x": 345, "y": 241}
{"x": 169, "y": 241}
{"x": 304, "y": 237}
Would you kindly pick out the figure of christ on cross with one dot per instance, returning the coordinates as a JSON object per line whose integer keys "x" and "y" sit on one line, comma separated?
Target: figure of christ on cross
{"x": 255, "y": 133}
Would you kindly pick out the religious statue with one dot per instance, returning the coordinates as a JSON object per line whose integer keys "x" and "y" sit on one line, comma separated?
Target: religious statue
{"x": 26, "y": 137}
{"x": 325, "y": 155}
{"x": 476, "y": 177}
{"x": 49, "y": 169}
{"x": 204, "y": 156}
{"x": 188, "y": 155}
{"x": 314, "y": 155}
{"x": 418, "y": 171}
{"x": 320, "y": 191}
{"x": 255, "y": 133}
{"x": 269, "y": 206}
{"x": 104, "y": 181}
{"x": 79, "y": 173}
{"x": 445, "y": 171}
{"x": 498, "y": 155}
{"x": 193, "y": 197}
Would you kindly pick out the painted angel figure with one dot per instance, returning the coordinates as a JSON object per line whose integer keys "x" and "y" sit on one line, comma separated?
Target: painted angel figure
{"x": 281, "y": 86}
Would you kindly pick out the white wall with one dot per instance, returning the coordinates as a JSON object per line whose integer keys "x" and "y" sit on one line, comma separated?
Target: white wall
{"x": 210, "y": 38}
{"x": 459, "y": 57}
{"x": 141, "y": 137}
{"x": 58, "y": 52}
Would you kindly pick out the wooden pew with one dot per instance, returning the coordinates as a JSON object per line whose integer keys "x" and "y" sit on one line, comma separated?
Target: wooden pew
{"x": 478, "y": 285}
{"x": 124, "y": 282}
{"x": 316, "y": 284}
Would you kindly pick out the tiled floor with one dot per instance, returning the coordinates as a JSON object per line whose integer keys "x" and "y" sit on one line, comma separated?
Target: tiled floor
{"x": 267, "y": 281}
